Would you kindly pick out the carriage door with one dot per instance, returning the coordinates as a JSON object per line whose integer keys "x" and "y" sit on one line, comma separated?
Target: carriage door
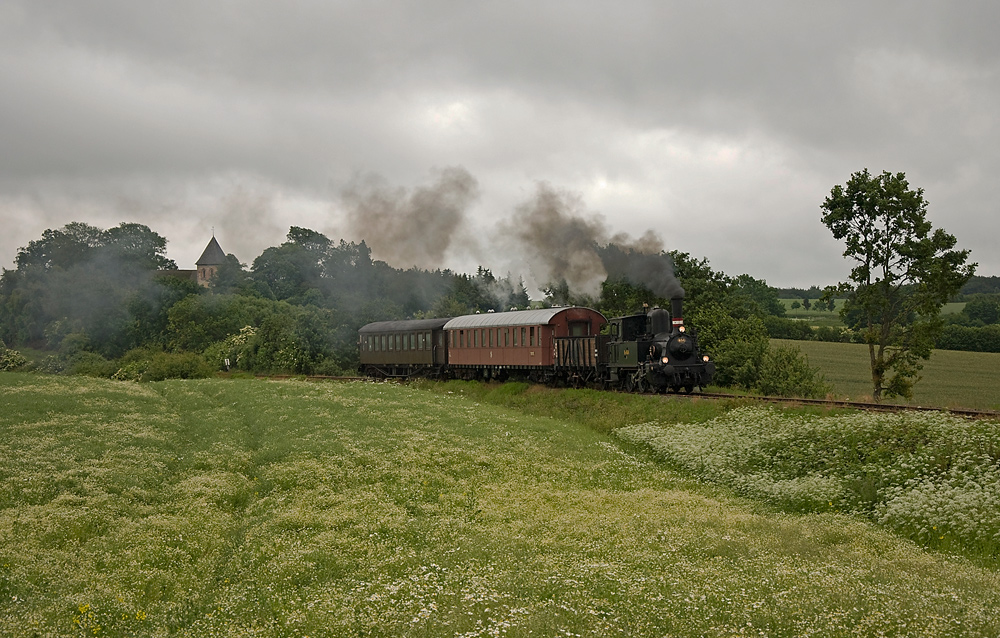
{"x": 440, "y": 352}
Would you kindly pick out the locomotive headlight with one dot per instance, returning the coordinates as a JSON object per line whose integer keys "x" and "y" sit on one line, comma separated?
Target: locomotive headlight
{"x": 705, "y": 358}
{"x": 682, "y": 329}
{"x": 665, "y": 360}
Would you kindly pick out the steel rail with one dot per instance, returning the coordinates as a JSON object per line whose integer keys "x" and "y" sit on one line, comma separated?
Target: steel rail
{"x": 823, "y": 403}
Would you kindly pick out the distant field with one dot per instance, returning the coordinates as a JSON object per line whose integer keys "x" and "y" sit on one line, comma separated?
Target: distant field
{"x": 819, "y": 318}
{"x": 252, "y": 508}
{"x": 815, "y": 318}
{"x": 949, "y": 379}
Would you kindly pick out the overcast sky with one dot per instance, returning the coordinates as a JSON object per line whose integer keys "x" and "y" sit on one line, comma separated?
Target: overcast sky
{"x": 718, "y": 126}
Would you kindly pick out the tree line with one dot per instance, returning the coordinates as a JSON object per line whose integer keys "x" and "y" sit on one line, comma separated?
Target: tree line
{"x": 106, "y": 302}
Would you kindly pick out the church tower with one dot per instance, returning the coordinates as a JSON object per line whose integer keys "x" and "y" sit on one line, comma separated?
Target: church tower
{"x": 209, "y": 262}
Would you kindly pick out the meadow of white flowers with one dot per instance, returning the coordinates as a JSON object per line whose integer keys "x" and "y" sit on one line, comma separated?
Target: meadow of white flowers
{"x": 223, "y": 508}
{"x": 930, "y": 476}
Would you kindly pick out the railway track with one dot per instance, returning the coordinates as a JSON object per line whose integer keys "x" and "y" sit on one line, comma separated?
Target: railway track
{"x": 823, "y": 403}
{"x": 855, "y": 405}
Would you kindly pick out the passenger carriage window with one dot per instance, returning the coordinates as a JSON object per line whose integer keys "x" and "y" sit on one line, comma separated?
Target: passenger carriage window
{"x": 413, "y": 342}
{"x": 461, "y": 338}
{"x": 515, "y": 337}
{"x": 522, "y": 337}
{"x": 506, "y": 337}
{"x": 531, "y": 335}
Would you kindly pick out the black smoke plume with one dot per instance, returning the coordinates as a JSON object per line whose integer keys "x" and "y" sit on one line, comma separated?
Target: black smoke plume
{"x": 568, "y": 248}
{"x": 411, "y": 228}
{"x": 563, "y": 246}
{"x": 643, "y": 263}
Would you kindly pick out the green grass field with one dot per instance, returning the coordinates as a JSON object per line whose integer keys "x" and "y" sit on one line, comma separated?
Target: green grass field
{"x": 244, "y": 507}
{"x": 820, "y": 318}
{"x": 949, "y": 379}
{"x": 815, "y": 318}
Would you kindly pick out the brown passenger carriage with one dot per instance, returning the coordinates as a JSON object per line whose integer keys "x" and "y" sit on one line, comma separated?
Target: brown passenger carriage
{"x": 539, "y": 344}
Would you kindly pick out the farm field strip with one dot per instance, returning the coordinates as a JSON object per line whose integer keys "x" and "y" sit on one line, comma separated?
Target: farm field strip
{"x": 950, "y": 379}
{"x": 245, "y": 507}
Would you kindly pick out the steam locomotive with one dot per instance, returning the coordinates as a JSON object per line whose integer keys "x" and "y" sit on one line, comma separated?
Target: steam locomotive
{"x": 652, "y": 351}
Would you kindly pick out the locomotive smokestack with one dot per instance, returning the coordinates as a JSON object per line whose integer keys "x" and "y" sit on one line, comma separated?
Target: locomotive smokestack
{"x": 675, "y": 312}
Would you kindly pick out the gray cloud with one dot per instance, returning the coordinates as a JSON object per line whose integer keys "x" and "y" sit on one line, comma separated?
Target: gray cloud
{"x": 720, "y": 126}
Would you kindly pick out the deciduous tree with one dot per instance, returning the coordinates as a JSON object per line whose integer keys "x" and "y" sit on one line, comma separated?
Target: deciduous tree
{"x": 904, "y": 272}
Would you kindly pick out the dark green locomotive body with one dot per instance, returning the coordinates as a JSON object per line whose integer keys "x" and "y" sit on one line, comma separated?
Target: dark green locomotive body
{"x": 654, "y": 351}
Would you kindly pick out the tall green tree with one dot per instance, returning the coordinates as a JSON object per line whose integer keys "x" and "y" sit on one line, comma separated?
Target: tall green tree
{"x": 904, "y": 273}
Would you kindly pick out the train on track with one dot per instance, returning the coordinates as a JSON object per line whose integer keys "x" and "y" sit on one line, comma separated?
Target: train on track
{"x": 652, "y": 351}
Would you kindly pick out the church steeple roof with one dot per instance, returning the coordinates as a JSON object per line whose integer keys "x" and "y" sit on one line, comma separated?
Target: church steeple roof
{"x": 213, "y": 255}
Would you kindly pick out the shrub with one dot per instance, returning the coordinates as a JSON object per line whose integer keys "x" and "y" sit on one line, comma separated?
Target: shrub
{"x": 11, "y": 359}
{"x": 146, "y": 365}
{"x": 91, "y": 364}
{"x": 969, "y": 338}
{"x": 785, "y": 371}
{"x": 784, "y": 328}
{"x": 176, "y": 365}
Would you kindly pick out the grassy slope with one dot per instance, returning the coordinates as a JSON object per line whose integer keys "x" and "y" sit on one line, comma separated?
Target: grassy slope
{"x": 949, "y": 379}
{"x": 247, "y": 507}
